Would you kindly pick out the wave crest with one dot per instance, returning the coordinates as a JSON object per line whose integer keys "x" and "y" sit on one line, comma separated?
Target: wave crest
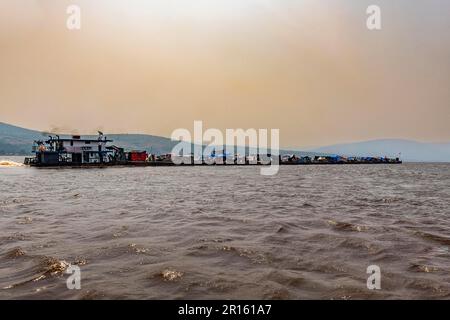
{"x": 8, "y": 163}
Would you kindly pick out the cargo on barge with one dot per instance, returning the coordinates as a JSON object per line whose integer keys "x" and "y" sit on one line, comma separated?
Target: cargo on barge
{"x": 77, "y": 152}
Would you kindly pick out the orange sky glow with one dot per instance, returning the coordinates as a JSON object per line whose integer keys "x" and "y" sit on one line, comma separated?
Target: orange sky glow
{"x": 310, "y": 68}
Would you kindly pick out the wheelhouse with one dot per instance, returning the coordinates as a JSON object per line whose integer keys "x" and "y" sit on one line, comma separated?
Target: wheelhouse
{"x": 73, "y": 150}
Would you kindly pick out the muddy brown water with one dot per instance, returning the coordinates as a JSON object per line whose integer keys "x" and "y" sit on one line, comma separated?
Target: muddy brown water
{"x": 309, "y": 232}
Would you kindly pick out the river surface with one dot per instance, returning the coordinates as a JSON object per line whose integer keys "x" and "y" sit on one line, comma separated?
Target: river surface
{"x": 309, "y": 232}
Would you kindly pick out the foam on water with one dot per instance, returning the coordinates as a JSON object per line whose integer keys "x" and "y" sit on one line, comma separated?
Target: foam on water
{"x": 8, "y": 163}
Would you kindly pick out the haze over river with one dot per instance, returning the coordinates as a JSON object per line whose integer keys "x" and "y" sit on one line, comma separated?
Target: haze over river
{"x": 309, "y": 232}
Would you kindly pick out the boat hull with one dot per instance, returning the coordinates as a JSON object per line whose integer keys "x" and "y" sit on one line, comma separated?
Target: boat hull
{"x": 171, "y": 164}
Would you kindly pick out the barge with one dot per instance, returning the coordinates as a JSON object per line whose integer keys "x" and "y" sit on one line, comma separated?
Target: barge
{"x": 78, "y": 152}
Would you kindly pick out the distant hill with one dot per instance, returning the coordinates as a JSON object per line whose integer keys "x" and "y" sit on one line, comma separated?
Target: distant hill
{"x": 411, "y": 151}
{"x": 18, "y": 141}
{"x": 15, "y": 140}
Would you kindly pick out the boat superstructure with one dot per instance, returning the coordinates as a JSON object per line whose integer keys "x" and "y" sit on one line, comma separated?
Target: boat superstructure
{"x": 75, "y": 150}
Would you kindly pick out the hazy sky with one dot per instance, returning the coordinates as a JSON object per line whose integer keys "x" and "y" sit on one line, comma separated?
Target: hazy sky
{"x": 308, "y": 67}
